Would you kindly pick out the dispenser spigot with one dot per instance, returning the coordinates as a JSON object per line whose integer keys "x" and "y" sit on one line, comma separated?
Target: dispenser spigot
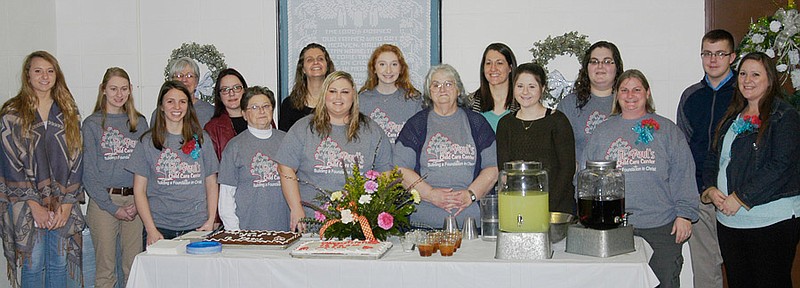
{"x": 625, "y": 218}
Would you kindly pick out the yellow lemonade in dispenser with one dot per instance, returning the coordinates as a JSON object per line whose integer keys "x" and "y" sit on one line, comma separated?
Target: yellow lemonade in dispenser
{"x": 527, "y": 212}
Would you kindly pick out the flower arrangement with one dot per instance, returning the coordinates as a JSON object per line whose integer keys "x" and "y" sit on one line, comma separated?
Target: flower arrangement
{"x": 744, "y": 124}
{"x": 571, "y": 43}
{"x": 778, "y": 36}
{"x": 645, "y": 129}
{"x": 370, "y": 206}
{"x": 192, "y": 147}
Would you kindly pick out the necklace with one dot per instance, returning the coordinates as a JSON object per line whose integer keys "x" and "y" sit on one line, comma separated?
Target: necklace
{"x": 527, "y": 126}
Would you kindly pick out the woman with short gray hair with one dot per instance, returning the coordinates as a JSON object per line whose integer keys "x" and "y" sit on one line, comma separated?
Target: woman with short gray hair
{"x": 186, "y": 71}
{"x": 450, "y": 144}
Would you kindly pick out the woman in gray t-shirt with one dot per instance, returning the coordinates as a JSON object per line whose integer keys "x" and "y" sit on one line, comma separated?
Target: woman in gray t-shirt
{"x": 315, "y": 147}
{"x": 660, "y": 188}
{"x": 175, "y": 170}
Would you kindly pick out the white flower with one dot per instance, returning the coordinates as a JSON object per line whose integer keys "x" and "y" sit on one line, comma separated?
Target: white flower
{"x": 757, "y": 38}
{"x": 795, "y": 78}
{"x": 770, "y": 53}
{"x": 415, "y": 196}
{"x": 781, "y": 68}
{"x": 775, "y": 26}
{"x": 336, "y": 195}
{"x": 794, "y": 57}
{"x": 347, "y": 216}
{"x": 365, "y": 199}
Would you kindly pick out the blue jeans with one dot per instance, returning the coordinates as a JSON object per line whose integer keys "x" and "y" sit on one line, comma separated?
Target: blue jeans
{"x": 47, "y": 264}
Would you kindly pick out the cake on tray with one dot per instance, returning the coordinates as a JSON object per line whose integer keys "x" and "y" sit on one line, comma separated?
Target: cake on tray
{"x": 255, "y": 238}
{"x": 356, "y": 249}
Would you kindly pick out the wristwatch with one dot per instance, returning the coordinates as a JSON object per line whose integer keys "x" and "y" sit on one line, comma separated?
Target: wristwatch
{"x": 472, "y": 195}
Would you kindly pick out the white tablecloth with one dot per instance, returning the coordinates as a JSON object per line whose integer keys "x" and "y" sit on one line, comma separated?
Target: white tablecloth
{"x": 472, "y": 266}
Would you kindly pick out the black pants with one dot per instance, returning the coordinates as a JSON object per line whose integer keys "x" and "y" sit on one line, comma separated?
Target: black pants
{"x": 759, "y": 257}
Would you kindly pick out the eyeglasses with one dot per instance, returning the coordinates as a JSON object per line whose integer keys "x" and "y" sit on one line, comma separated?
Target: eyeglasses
{"x": 182, "y": 76}
{"x": 235, "y": 89}
{"x": 595, "y": 62}
{"x": 448, "y": 85}
{"x": 265, "y": 107}
{"x": 718, "y": 54}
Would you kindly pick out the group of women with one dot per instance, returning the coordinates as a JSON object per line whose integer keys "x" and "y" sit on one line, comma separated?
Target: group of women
{"x": 174, "y": 176}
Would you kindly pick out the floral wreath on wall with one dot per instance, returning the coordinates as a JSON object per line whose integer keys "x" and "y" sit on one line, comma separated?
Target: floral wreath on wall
{"x": 778, "y": 36}
{"x": 571, "y": 43}
{"x": 202, "y": 54}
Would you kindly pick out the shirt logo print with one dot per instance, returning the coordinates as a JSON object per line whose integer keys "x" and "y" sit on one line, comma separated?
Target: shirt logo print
{"x": 115, "y": 145}
{"x": 330, "y": 156}
{"x": 174, "y": 171}
{"x": 265, "y": 170}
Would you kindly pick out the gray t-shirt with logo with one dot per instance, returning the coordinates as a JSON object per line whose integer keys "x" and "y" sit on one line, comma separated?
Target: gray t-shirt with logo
{"x": 248, "y": 164}
{"x": 659, "y": 176}
{"x": 175, "y": 182}
{"x": 390, "y": 111}
{"x": 107, "y": 151}
{"x": 586, "y": 119}
{"x": 318, "y": 160}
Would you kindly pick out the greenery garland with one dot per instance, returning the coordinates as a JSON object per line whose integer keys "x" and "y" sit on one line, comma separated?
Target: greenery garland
{"x": 571, "y": 43}
{"x": 204, "y": 54}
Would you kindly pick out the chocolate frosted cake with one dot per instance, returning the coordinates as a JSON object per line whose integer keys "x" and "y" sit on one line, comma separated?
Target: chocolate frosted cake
{"x": 255, "y": 237}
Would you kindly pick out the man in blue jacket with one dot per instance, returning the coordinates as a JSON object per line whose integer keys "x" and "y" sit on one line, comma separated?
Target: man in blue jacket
{"x": 699, "y": 112}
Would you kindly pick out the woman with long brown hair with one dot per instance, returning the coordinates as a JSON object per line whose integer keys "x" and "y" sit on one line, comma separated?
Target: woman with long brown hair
{"x": 175, "y": 170}
{"x": 41, "y": 177}
{"x": 752, "y": 176}
{"x": 495, "y": 97}
{"x": 313, "y": 65}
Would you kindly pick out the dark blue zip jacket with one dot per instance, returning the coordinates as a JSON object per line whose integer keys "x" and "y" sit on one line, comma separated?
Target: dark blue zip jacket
{"x": 699, "y": 112}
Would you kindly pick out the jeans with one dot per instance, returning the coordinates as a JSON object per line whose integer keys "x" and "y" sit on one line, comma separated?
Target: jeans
{"x": 47, "y": 264}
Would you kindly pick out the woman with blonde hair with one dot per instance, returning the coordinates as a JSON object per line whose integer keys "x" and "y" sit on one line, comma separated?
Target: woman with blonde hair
{"x": 110, "y": 135}
{"x": 41, "y": 177}
{"x": 388, "y": 97}
{"x": 318, "y": 145}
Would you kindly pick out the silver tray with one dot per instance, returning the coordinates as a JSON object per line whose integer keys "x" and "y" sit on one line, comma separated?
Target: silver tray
{"x": 339, "y": 256}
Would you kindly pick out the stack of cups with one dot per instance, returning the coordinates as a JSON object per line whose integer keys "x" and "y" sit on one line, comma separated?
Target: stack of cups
{"x": 490, "y": 225}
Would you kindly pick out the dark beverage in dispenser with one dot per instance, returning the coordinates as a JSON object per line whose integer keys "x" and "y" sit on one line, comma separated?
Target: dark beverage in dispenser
{"x": 597, "y": 213}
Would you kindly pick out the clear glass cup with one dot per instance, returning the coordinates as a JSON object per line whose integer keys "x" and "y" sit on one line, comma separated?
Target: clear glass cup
{"x": 425, "y": 246}
{"x": 447, "y": 245}
{"x": 407, "y": 242}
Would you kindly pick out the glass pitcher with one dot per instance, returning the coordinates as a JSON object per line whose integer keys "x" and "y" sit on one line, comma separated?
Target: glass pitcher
{"x": 601, "y": 195}
{"x": 523, "y": 198}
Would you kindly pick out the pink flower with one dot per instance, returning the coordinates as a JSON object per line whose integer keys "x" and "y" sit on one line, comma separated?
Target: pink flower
{"x": 385, "y": 221}
{"x": 371, "y": 186}
{"x": 319, "y": 216}
{"x": 372, "y": 174}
